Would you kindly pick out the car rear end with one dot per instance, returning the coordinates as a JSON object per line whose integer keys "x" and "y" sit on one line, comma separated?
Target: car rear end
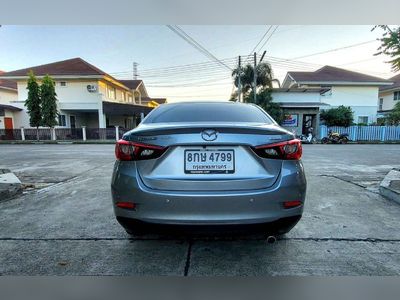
{"x": 208, "y": 164}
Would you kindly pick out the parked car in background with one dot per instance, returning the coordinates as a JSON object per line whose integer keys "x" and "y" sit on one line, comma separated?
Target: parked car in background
{"x": 208, "y": 164}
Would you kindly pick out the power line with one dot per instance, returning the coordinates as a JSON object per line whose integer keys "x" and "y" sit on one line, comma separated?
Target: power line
{"x": 259, "y": 42}
{"x": 262, "y": 47}
{"x": 180, "y": 32}
{"x": 336, "y": 49}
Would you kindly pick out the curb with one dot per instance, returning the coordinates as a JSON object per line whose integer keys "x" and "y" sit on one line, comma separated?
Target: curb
{"x": 390, "y": 186}
{"x": 10, "y": 185}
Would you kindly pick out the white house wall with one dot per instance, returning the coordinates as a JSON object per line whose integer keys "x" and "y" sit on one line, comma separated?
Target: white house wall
{"x": 6, "y": 96}
{"x": 295, "y": 97}
{"x": 388, "y": 100}
{"x": 363, "y": 100}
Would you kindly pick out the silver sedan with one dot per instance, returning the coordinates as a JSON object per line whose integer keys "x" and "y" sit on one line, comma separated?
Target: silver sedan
{"x": 199, "y": 165}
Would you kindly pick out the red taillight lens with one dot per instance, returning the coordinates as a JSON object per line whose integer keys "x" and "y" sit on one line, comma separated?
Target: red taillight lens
{"x": 125, "y": 150}
{"x": 283, "y": 150}
{"x": 291, "y": 204}
{"x": 126, "y": 205}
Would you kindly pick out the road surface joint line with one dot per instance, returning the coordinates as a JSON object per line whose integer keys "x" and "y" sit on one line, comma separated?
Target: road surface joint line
{"x": 371, "y": 240}
{"x": 348, "y": 181}
{"x": 188, "y": 257}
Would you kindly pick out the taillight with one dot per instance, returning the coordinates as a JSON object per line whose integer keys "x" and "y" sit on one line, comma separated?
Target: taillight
{"x": 283, "y": 150}
{"x": 291, "y": 204}
{"x": 126, "y": 150}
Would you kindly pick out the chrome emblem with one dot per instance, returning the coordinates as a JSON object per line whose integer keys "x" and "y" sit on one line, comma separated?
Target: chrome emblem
{"x": 209, "y": 135}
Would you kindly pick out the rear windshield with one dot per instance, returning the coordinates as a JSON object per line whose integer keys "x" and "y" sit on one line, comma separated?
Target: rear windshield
{"x": 207, "y": 112}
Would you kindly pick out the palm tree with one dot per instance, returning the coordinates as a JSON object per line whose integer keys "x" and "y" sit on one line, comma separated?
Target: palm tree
{"x": 264, "y": 77}
{"x": 262, "y": 90}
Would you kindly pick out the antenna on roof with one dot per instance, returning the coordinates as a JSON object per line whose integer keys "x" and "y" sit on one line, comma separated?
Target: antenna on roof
{"x": 135, "y": 75}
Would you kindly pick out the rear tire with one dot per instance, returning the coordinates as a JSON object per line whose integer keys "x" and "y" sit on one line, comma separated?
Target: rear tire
{"x": 324, "y": 140}
{"x": 135, "y": 232}
{"x": 344, "y": 140}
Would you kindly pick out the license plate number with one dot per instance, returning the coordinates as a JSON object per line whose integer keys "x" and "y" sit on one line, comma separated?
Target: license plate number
{"x": 209, "y": 161}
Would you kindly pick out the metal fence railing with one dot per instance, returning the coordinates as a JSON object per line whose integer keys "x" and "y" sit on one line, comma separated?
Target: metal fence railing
{"x": 31, "y": 134}
{"x": 62, "y": 134}
{"x": 365, "y": 133}
{"x": 356, "y": 133}
{"x": 10, "y": 134}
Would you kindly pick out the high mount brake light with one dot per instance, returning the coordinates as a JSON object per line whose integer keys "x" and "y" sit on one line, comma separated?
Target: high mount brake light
{"x": 126, "y": 150}
{"x": 289, "y": 150}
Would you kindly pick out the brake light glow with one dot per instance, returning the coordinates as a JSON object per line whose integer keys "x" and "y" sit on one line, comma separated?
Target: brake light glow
{"x": 126, "y": 150}
{"x": 288, "y": 150}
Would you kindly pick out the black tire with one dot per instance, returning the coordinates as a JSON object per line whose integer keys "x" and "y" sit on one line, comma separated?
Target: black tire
{"x": 324, "y": 140}
{"x": 132, "y": 227}
{"x": 344, "y": 140}
{"x": 135, "y": 232}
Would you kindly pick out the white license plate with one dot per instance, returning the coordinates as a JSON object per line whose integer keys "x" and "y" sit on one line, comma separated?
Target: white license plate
{"x": 210, "y": 161}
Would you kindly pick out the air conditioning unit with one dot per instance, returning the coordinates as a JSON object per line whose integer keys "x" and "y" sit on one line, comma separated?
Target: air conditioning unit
{"x": 91, "y": 88}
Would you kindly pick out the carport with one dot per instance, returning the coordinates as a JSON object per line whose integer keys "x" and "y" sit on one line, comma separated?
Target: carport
{"x": 125, "y": 115}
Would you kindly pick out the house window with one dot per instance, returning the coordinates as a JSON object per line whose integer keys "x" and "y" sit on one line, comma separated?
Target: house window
{"x": 123, "y": 96}
{"x": 130, "y": 99}
{"x": 380, "y": 103}
{"x": 63, "y": 83}
{"x": 362, "y": 120}
{"x": 111, "y": 92}
{"x": 396, "y": 95}
{"x": 61, "y": 120}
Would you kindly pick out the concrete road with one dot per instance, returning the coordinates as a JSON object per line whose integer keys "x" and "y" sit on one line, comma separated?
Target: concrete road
{"x": 65, "y": 225}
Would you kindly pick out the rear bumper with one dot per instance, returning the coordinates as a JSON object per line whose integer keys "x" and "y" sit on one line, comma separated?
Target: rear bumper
{"x": 210, "y": 208}
{"x": 280, "y": 226}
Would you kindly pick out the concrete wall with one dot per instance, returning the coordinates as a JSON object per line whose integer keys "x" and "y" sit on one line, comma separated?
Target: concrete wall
{"x": 301, "y": 112}
{"x": 295, "y": 97}
{"x": 388, "y": 100}
{"x": 103, "y": 89}
{"x": 6, "y": 96}
{"x": 363, "y": 100}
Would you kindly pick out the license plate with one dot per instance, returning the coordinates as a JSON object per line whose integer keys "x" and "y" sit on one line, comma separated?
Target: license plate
{"x": 210, "y": 161}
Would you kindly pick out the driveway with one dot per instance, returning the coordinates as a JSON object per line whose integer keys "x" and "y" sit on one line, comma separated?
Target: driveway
{"x": 64, "y": 224}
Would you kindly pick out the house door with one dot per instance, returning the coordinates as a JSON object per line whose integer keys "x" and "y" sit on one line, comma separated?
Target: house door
{"x": 8, "y": 123}
{"x": 308, "y": 121}
{"x": 72, "y": 122}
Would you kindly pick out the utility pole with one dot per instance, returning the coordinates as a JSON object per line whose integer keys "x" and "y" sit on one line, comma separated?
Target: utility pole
{"x": 255, "y": 79}
{"x": 135, "y": 75}
{"x": 239, "y": 82}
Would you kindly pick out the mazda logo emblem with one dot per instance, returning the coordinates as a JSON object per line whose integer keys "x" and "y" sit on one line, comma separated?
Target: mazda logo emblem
{"x": 209, "y": 135}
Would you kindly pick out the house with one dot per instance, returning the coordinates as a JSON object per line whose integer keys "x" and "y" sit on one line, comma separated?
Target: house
{"x": 342, "y": 87}
{"x": 301, "y": 106}
{"x": 389, "y": 95}
{"x": 8, "y": 93}
{"x": 87, "y": 96}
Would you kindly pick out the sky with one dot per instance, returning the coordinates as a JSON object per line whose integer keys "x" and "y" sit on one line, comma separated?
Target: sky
{"x": 170, "y": 67}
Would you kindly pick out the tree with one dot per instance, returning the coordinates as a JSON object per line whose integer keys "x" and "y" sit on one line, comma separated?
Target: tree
{"x": 263, "y": 88}
{"x": 49, "y": 102}
{"x": 264, "y": 100}
{"x": 394, "y": 116}
{"x": 340, "y": 116}
{"x": 33, "y": 103}
{"x": 264, "y": 76}
{"x": 390, "y": 45}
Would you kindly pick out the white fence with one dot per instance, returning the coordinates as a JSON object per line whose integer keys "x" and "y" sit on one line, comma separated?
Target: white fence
{"x": 365, "y": 133}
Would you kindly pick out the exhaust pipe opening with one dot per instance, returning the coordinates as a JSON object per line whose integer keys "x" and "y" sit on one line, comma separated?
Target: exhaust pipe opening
{"x": 271, "y": 239}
